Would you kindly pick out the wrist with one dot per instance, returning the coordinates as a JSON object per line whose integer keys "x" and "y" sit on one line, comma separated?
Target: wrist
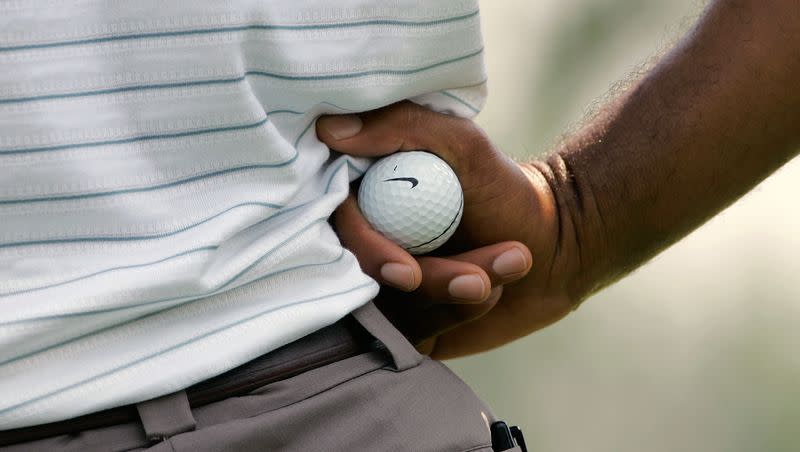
{"x": 570, "y": 214}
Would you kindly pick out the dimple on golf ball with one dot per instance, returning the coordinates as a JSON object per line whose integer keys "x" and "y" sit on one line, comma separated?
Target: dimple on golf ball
{"x": 413, "y": 198}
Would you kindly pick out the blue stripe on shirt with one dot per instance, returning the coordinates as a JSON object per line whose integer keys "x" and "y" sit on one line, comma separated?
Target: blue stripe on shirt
{"x": 280, "y": 76}
{"x": 160, "y": 136}
{"x": 203, "y": 31}
{"x": 474, "y": 109}
{"x": 124, "y": 191}
{"x": 235, "y": 79}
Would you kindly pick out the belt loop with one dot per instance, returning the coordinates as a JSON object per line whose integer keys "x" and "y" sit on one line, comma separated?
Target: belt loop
{"x": 404, "y": 355}
{"x": 166, "y": 416}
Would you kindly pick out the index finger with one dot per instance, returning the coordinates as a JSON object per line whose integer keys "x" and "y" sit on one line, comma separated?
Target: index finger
{"x": 378, "y": 256}
{"x": 403, "y": 127}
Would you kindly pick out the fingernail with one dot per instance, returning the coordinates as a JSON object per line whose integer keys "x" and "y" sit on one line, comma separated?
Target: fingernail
{"x": 398, "y": 275}
{"x": 342, "y": 126}
{"x": 510, "y": 263}
{"x": 467, "y": 287}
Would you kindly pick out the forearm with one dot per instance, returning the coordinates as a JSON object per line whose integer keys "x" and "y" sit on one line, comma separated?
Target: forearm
{"x": 716, "y": 116}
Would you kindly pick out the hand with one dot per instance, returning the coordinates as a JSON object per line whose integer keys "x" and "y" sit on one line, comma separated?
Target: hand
{"x": 478, "y": 292}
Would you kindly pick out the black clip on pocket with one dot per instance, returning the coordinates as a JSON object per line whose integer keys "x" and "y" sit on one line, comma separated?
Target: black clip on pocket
{"x": 505, "y": 438}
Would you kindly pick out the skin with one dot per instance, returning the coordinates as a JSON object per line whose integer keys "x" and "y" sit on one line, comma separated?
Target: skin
{"x": 714, "y": 117}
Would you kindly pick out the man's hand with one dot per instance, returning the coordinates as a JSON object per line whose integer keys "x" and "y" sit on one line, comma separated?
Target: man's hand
{"x": 479, "y": 291}
{"x": 717, "y": 115}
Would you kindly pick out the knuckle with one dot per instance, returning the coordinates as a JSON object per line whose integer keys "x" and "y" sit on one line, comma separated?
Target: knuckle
{"x": 476, "y": 141}
{"x": 411, "y": 117}
{"x": 400, "y": 121}
{"x": 467, "y": 141}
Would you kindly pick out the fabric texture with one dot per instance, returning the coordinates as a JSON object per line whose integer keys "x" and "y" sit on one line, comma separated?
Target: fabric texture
{"x": 385, "y": 400}
{"x": 163, "y": 195}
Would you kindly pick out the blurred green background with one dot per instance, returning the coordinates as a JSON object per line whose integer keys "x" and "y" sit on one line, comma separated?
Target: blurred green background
{"x": 698, "y": 350}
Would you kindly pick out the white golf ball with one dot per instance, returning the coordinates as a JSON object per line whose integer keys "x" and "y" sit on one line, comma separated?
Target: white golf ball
{"x": 413, "y": 198}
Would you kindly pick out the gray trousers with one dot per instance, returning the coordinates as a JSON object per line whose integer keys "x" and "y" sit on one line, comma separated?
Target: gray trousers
{"x": 376, "y": 401}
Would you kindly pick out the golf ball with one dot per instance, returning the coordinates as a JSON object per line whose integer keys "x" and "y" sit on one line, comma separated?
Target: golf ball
{"x": 413, "y": 198}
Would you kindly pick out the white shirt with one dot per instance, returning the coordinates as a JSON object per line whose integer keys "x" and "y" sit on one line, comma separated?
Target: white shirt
{"x": 163, "y": 196}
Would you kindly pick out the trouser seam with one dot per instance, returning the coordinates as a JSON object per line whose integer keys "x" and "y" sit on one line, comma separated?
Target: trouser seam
{"x": 480, "y": 447}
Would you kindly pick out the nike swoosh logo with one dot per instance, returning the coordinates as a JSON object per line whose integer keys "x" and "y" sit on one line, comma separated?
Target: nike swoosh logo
{"x": 414, "y": 182}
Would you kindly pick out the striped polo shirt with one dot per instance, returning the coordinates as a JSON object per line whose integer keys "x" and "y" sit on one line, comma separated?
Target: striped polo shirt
{"x": 163, "y": 196}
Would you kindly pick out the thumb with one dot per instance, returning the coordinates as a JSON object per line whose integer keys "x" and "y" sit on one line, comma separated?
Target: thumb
{"x": 404, "y": 126}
